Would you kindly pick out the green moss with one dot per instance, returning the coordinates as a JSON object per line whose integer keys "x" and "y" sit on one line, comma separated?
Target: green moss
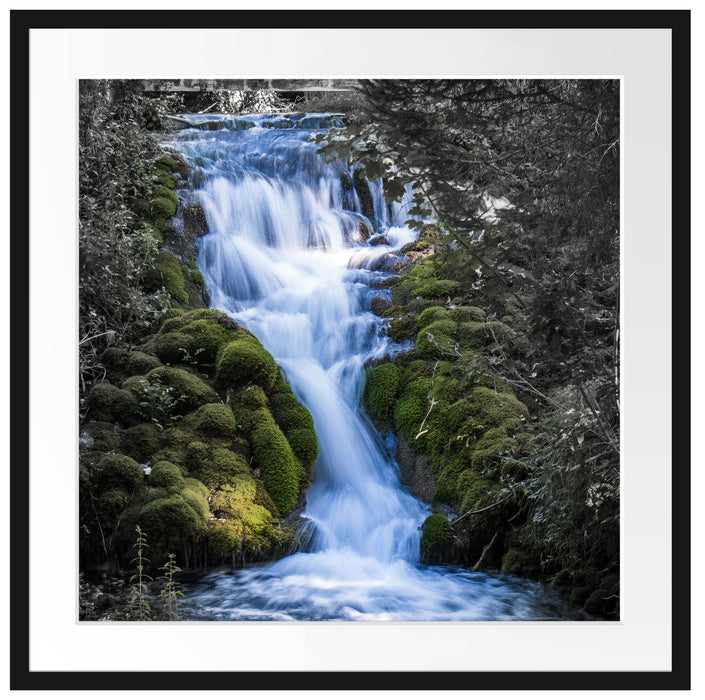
{"x": 487, "y": 455}
{"x": 106, "y": 441}
{"x": 172, "y": 348}
{"x": 462, "y": 314}
{"x": 172, "y": 163}
{"x": 224, "y": 539}
{"x": 208, "y": 337}
{"x": 114, "y": 359}
{"x": 166, "y": 273}
{"x": 280, "y": 471}
{"x": 401, "y": 329}
{"x": 165, "y": 474}
{"x": 166, "y": 180}
{"x": 516, "y": 561}
{"x": 412, "y": 406}
{"x": 450, "y": 469}
{"x": 381, "y": 387}
{"x": 232, "y": 498}
{"x": 118, "y": 472}
{"x": 188, "y": 390}
{"x": 436, "y": 533}
{"x": 244, "y": 361}
{"x": 141, "y": 441}
{"x": 495, "y": 409}
{"x": 437, "y": 289}
{"x": 215, "y": 419}
{"x": 437, "y": 339}
{"x": 215, "y": 467}
{"x": 141, "y": 363}
{"x": 481, "y": 335}
{"x": 171, "y": 520}
{"x": 477, "y": 493}
{"x": 108, "y": 403}
{"x": 431, "y": 314}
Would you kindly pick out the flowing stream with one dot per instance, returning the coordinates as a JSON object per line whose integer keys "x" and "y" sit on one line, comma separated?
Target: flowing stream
{"x": 288, "y": 256}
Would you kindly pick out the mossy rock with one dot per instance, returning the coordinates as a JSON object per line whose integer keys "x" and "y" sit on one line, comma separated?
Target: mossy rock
{"x": 141, "y": 363}
{"x": 437, "y": 289}
{"x": 478, "y": 492}
{"x": 141, "y": 441}
{"x": 497, "y": 409}
{"x": 114, "y": 359}
{"x": 212, "y": 419}
{"x": 215, "y": 467}
{"x": 188, "y": 390}
{"x": 580, "y": 594}
{"x": 244, "y": 361}
{"x": 106, "y": 441}
{"x": 165, "y": 474}
{"x": 381, "y": 388}
{"x": 281, "y": 472}
{"x": 224, "y": 539}
{"x": 208, "y": 338}
{"x": 172, "y": 163}
{"x": 401, "y": 329}
{"x": 462, "y": 314}
{"x": 166, "y": 273}
{"x": 431, "y": 314}
{"x": 118, "y": 472}
{"x": 111, "y": 503}
{"x": 481, "y": 335}
{"x": 172, "y": 520}
{"x": 171, "y": 348}
{"x": 437, "y": 339}
{"x": 107, "y": 402}
{"x": 450, "y": 469}
{"x": 489, "y": 449}
{"x": 516, "y": 561}
{"x": 436, "y": 537}
{"x": 412, "y": 406}
{"x": 233, "y": 497}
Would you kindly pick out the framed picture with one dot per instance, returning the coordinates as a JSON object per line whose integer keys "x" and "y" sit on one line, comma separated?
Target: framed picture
{"x": 358, "y": 610}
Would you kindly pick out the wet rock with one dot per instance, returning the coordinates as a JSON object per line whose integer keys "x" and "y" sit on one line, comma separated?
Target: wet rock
{"x": 415, "y": 472}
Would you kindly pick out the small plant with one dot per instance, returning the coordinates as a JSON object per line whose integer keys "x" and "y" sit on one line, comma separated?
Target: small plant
{"x": 170, "y": 594}
{"x": 157, "y": 404}
{"x": 192, "y": 358}
{"x": 139, "y": 603}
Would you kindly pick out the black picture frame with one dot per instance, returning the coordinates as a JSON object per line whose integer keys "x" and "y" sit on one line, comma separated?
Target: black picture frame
{"x": 22, "y": 677}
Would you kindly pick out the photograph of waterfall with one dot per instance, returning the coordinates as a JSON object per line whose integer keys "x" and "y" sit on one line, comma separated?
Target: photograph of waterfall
{"x": 349, "y": 349}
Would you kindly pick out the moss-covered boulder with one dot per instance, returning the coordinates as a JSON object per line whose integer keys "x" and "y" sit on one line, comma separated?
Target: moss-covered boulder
{"x": 212, "y": 419}
{"x": 141, "y": 441}
{"x": 118, "y": 472}
{"x": 437, "y": 339}
{"x": 166, "y": 273}
{"x": 141, "y": 363}
{"x": 438, "y": 289}
{"x": 215, "y": 467}
{"x": 462, "y": 314}
{"x": 493, "y": 408}
{"x": 165, "y": 475}
{"x": 412, "y": 406}
{"x": 280, "y": 470}
{"x": 516, "y": 561}
{"x": 436, "y": 538}
{"x": 244, "y": 361}
{"x": 187, "y": 390}
{"x": 381, "y": 387}
{"x": 107, "y": 402}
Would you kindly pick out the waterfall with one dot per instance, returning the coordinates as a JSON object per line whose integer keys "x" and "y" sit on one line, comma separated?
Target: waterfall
{"x": 287, "y": 256}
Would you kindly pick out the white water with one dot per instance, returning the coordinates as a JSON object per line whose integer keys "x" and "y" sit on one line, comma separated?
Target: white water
{"x": 285, "y": 257}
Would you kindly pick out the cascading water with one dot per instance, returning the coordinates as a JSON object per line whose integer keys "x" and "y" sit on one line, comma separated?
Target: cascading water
{"x": 286, "y": 256}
